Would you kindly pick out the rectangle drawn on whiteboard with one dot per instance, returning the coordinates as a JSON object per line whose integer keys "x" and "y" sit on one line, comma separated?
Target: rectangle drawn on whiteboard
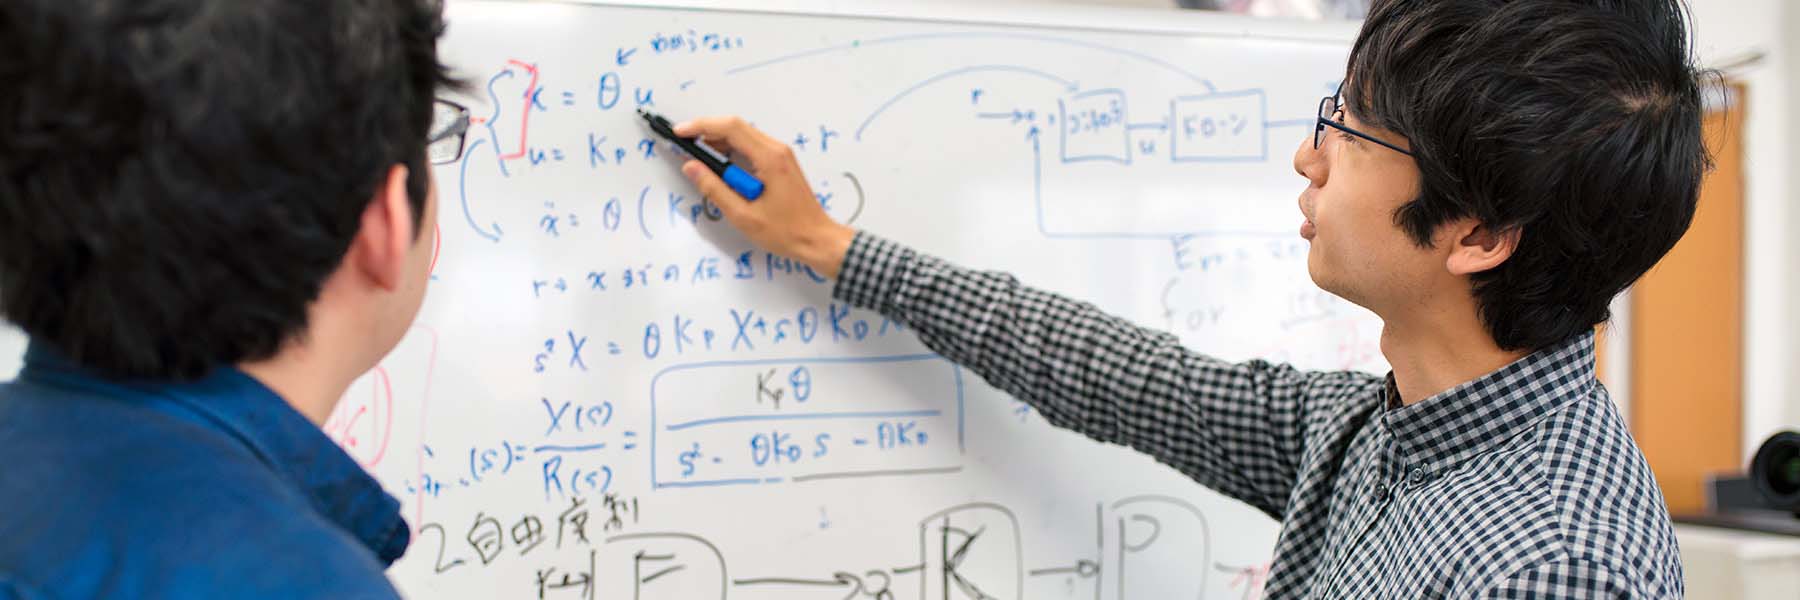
{"x": 1227, "y": 126}
{"x": 798, "y": 420}
{"x": 1093, "y": 127}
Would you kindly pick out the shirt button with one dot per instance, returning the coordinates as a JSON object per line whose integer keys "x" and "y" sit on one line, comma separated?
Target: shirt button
{"x": 1416, "y": 476}
{"x": 1381, "y": 492}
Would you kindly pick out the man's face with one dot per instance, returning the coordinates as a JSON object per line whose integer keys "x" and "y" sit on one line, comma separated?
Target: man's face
{"x": 1358, "y": 252}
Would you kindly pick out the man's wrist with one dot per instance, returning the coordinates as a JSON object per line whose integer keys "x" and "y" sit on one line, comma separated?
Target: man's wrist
{"x": 825, "y": 252}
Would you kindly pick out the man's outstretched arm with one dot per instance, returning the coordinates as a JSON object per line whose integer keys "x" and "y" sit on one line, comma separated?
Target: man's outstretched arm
{"x": 1238, "y": 428}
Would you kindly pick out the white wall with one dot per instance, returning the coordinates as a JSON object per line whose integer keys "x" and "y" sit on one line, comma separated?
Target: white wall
{"x": 1724, "y": 30}
{"x": 1781, "y": 406}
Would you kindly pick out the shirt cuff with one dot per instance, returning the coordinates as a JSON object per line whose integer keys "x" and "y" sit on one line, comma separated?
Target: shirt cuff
{"x": 874, "y": 269}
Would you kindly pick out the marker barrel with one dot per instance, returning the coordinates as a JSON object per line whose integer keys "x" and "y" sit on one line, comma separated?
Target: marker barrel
{"x": 743, "y": 182}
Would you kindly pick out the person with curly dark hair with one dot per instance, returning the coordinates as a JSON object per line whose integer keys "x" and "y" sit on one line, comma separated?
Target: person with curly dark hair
{"x": 1491, "y": 174}
{"x": 214, "y": 216}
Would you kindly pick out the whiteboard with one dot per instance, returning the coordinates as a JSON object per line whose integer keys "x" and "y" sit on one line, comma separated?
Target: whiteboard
{"x": 610, "y": 394}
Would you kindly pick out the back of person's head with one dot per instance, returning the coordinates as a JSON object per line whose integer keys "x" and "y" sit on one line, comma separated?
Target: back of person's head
{"x": 1575, "y": 123}
{"x": 179, "y": 177}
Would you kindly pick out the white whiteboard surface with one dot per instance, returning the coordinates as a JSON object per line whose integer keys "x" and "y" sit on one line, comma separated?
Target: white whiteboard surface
{"x": 610, "y": 395}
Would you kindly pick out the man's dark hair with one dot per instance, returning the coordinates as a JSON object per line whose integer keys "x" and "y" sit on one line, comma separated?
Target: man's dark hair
{"x": 1575, "y": 123}
{"x": 179, "y": 177}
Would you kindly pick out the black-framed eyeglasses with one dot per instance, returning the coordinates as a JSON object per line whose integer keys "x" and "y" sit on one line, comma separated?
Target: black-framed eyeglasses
{"x": 449, "y": 127}
{"x": 1328, "y": 112}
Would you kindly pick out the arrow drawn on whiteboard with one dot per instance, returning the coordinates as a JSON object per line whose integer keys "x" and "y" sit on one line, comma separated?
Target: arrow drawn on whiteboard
{"x": 1037, "y": 197}
{"x": 1067, "y": 85}
{"x": 1037, "y": 177}
{"x": 463, "y": 191}
{"x": 855, "y": 45}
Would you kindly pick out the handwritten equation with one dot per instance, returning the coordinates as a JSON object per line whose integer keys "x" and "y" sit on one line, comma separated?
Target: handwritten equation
{"x": 621, "y": 397}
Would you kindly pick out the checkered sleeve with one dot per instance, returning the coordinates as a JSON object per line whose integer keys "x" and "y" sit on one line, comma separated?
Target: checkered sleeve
{"x": 1237, "y": 428}
{"x": 1573, "y": 579}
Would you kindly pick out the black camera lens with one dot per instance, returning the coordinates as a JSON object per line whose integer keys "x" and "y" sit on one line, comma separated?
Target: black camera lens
{"x": 1776, "y": 470}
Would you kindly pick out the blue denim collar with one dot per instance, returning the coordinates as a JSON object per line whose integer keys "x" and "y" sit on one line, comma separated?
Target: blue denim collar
{"x": 239, "y": 406}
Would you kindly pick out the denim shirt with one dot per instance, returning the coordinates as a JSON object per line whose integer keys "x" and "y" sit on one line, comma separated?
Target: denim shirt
{"x": 215, "y": 488}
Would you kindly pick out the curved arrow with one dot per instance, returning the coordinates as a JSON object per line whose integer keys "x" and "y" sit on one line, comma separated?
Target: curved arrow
{"x": 1069, "y": 85}
{"x": 463, "y": 192}
{"x": 855, "y": 44}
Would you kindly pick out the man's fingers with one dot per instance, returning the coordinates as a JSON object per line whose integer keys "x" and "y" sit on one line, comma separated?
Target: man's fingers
{"x": 713, "y": 188}
{"x": 703, "y": 125}
{"x": 732, "y": 134}
{"x": 725, "y": 134}
{"x": 722, "y": 145}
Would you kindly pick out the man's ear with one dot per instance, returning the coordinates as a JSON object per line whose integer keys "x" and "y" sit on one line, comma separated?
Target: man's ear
{"x": 379, "y": 250}
{"x": 1477, "y": 247}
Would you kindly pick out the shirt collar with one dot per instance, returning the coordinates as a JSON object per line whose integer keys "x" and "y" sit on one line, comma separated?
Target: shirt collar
{"x": 232, "y": 402}
{"x": 1480, "y": 415}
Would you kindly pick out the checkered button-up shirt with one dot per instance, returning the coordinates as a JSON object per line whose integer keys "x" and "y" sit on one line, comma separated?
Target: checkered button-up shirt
{"x": 1521, "y": 484}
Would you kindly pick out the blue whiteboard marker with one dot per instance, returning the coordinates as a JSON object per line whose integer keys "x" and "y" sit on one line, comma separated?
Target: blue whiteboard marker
{"x": 741, "y": 181}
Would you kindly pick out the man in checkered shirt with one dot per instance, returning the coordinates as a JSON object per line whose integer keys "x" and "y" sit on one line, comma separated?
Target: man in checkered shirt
{"x": 1492, "y": 173}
